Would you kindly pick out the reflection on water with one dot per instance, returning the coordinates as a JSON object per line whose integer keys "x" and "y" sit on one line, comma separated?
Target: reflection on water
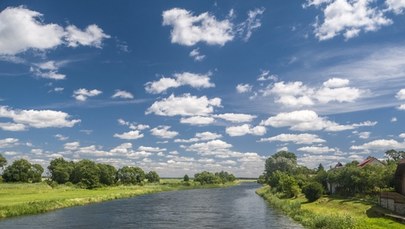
{"x": 234, "y": 207}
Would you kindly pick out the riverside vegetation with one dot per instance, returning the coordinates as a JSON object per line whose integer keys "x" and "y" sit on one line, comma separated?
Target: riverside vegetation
{"x": 78, "y": 183}
{"x": 302, "y": 193}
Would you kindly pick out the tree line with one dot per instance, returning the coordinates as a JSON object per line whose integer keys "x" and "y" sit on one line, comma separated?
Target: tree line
{"x": 89, "y": 174}
{"x": 289, "y": 179}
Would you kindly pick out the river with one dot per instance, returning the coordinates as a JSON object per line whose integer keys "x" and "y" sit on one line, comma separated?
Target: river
{"x": 233, "y": 207}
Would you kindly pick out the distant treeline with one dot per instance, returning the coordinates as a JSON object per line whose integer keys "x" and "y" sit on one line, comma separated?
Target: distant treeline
{"x": 89, "y": 174}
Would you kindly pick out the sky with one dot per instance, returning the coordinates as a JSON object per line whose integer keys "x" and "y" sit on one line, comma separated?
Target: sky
{"x": 180, "y": 87}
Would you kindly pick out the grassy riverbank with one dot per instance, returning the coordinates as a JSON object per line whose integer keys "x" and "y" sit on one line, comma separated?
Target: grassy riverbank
{"x": 330, "y": 212}
{"x": 23, "y": 199}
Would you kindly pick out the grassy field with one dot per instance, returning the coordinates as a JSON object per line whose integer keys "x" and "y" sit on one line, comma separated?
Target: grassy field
{"x": 329, "y": 212}
{"x": 22, "y": 199}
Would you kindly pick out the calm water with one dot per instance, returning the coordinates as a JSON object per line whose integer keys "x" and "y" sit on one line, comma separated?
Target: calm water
{"x": 234, "y": 207}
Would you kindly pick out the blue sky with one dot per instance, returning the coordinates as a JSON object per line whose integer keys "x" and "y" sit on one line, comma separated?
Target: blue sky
{"x": 185, "y": 86}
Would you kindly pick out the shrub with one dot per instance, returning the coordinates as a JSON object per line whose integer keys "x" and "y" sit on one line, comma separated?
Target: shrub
{"x": 313, "y": 191}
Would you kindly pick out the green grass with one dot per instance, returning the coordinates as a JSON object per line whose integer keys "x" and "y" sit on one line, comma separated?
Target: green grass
{"x": 23, "y": 199}
{"x": 329, "y": 212}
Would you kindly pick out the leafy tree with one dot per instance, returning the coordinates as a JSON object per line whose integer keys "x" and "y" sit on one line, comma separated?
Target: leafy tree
{"x": 86, "y": 174}
{"x": 61, "y": 170}
{"x": 320, "y": 168}
{"x": 130, "y": 175}
{"x": 313, "y": 191}
{"x": 289, "y": 186}
{"x": 282, "y": 161}
{"x": 394, "y": 155}
{"x": 186, "y": 178}
{"x": 262, "y": 179}
{"x": 152, "y": 177}
{"x": 225, "y": 177}
{"x": 3, "y": 162}
{"x": 206, "y": 178}
{"x": 108, "y": 174}
{"x": 23, "y": 171}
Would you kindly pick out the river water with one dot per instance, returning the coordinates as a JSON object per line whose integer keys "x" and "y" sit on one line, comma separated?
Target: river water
{"x": 234, "y": 207}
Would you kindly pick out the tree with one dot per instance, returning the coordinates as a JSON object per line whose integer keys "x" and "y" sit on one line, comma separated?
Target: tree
{"x": 206, "y": 178}
{"x": 108, "y": 174}
{"x": 61, "y": 170}
{"x": 152, "y": 177}
{"x": 130, "y": 175}
{"x": 86, "y": 174}
{"x": 313, "y": 191}
{"x": 3, "y": 162}
{"x": 394, "y": 155}
{"x": 225, "y": 177}
{"x": 282, "y": 161}
{"x": 186, "y": 178}
{"x": 23, "y": 171}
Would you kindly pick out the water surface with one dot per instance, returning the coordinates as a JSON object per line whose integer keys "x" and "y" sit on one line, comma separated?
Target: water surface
{"x": 234, "y": 207}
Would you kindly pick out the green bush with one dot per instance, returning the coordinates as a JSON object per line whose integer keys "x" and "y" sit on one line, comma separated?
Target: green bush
{"x": 313, "y": 191}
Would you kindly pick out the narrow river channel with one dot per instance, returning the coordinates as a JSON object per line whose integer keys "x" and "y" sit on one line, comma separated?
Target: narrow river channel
{"x": 234, "y": 207}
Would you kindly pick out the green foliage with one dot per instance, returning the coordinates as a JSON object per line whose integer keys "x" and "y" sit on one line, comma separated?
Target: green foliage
{"x": 23, "y": 171}
{"x": 394, "y": 155}
{"x": 108, "y": 174}
{"x": 186, "y": 178}
{"x": 86, "y": 174}
{"x": 262, "y": 179}
{"x": 130, "y": 175}
{"x": 206, "y": 178}
{"x": 61, "y": 170}
{"x": 225, "y": 177}
{"x": 313, "y": 191}
{"x": 152, "y": 177}
{"x": 282, "y": 161}
{"x": 3, "y": 161}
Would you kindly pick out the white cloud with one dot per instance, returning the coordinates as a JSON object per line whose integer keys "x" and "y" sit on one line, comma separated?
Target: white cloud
{"x": 163, "y": 132}
{"x": 82, "y": 94}
{"x": 35, "y": 118}
{"x": 47, "y": 70}
{"x": 130, "y": 135}
{"x": 185, "y": 105}
{"x": 348, "y": 17}
{"x": 316, "y": 149}
{"x": 60, "y": 137}
{"x": 245, "y": 129}
{"x": 364, "y": 135}
{"x": 211, "y": 147}
{"x": 336, "y": 82}
{"x": 196, "y": 55}
{"x": 189, "y": 30}
{"x": 304, "y": 120}
{"x": 197, "y": 120}
{"x": 291, "y": 93}
{"x": 380, "y": 145}
{"x": 402, "y": 135}
{"x": 343, "y": 94}
{"x": 71, "y": 146}
{"x": 180, "y": 79}
{"x": 151, "y": 149}
{"x": 236, "y": 118}
{"x": 296, "y": 138}
{"x": 243, "y": 88}
{"x": 24, "y": 29}
{"x": 8, "y": 142}
{"x": 397, "y": 6}
{"x": 203, "y": 136}
{"x": 401, "y": 94}
{"x": 91, "y": 36}
{"x": 246, "y": 28}
{"x": 122, "y": 94}
{"x": 401, "y": 107}
{"x": 266, "y": 76}
{"x": 394, "y": 119}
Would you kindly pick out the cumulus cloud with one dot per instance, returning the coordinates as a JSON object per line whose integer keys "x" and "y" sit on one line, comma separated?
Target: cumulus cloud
{"x": 185, "y": 105}
{"x": 163, "y": 132}
{"x": 244, "y": 88}
{"x": 180, "y": 79}
{"x": 8, "y": 142}
{"x": 122, "y": 94}
{"x": 197, "y": 120}
{"x": 295, "y": 138}
{"x": 47, "y": 70}
{"x": 316, "y": 149}
{"x": 214, "y": 146}
{"x": 71, "y": 146}
{"x": 24, "y": 29}
{"x": 266, "y": 76}
{"x": 83, "y": 94}
{"x": 203, "y": 136}
{"x": 130, "y": 135}
{"x": 304, "y": 120}
{"x": 245, "y": 129}
{"x": 402, "y": 135}
{"x": 196, "y": 55}
{"x": 336, "y": 82}
{"x": 397, "y": 6}
{"x": 35, "y": 118}
{"x": 380, "y": 145}
{"x": 347, "y": 18}
{"x": 401, "y": 94}
{"x": 61, "y": 137}
{"x": 188, "y": 29}
{"x": 236, "y": 118}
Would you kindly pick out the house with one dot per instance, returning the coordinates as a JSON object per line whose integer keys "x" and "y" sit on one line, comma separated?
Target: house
{"x": 370, "y": 161}
{"x": 395, "y": 201}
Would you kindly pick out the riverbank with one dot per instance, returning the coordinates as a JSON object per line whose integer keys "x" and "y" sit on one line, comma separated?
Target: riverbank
{"x": 329, "y": 212}
{"x": 24, "y": 199}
